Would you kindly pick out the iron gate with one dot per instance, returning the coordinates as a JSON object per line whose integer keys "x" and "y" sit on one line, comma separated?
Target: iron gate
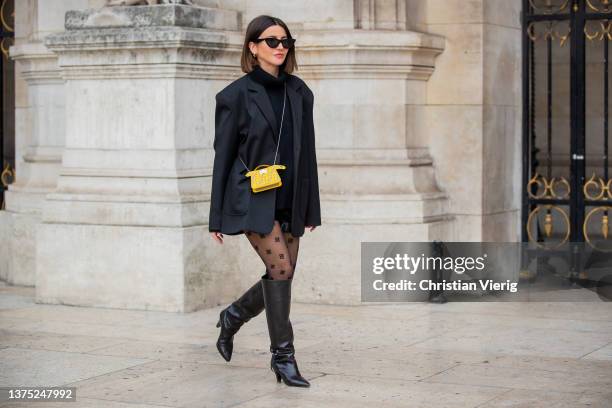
{"x": 566, "y": 184}
{"x": 7, "y": 99}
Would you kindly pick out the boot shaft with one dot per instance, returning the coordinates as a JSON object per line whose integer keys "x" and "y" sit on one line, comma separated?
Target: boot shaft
{"x": 251, "y": 303}
{"x": 277, "y": 299}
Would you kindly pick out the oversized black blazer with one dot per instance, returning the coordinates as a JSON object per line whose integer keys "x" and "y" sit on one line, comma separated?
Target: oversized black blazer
{"x": 245, "y": 124}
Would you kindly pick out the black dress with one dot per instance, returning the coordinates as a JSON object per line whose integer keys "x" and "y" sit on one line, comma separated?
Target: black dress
{"x": 284, "y": 194}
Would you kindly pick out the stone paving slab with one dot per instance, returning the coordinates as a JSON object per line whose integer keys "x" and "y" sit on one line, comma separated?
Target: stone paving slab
{"x": 458, "y": 354}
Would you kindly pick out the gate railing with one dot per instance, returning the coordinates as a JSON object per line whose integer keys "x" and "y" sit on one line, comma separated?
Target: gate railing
{"x": 7, "y": 34}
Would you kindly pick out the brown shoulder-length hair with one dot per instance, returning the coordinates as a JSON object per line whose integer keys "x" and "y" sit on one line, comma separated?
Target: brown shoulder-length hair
{"x": 257, "y": 26}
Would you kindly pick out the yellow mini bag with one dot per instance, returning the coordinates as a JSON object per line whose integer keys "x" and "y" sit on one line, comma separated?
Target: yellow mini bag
{"x": 265, "y": 177}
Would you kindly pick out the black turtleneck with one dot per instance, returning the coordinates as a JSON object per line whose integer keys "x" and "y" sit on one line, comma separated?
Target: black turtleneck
{"x": 274, "y": 87}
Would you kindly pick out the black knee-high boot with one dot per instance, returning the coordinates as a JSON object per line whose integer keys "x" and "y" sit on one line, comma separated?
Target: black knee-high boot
{"x": 277, "y": 298}
{"x": 249, "y": 305}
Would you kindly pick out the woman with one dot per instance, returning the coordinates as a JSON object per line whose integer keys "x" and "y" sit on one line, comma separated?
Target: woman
{"x": 266, "y": 117}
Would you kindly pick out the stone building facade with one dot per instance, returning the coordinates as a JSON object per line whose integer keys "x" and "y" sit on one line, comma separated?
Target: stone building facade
{"x": 417, "y": 119}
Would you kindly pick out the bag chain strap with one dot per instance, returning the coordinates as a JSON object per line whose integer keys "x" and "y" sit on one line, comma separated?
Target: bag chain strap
{"x": 279, "y": 130}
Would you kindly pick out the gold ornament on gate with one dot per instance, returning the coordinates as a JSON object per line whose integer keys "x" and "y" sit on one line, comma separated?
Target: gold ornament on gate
{"x": 548, "y": 188}
{"x": 604, "y": 227}
{"x": 548, "y": 225}
{"x": 596, "y": 188}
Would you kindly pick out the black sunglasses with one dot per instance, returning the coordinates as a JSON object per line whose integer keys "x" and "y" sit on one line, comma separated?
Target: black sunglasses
{"x": 273, "y": 42}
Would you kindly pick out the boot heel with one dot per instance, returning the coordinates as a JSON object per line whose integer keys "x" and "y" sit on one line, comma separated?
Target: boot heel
{"x": 278, "y": 376}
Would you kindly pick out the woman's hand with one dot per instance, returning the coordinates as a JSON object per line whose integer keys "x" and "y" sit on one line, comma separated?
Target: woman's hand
{"x": 217, "y": 236}
{"x": 312, "y": 227}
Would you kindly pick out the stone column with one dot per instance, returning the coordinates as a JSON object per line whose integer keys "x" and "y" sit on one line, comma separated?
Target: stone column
{"x": 39, "y": 127}
{"x": 127, "y": 225}
{"x": 474, "y": 113}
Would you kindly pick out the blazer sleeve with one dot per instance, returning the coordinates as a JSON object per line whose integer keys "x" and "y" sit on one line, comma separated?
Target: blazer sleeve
{"x": 226, "y": 149}
{"x": 313, "y": 210}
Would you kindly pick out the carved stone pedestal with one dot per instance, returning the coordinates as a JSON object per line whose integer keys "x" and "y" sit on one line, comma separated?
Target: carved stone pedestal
{"x": 127, "y": 225}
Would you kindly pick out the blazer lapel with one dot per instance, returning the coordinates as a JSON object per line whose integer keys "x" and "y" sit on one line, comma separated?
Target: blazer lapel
{"x": 295, "y": 98}
{"x": 262, "y": 100}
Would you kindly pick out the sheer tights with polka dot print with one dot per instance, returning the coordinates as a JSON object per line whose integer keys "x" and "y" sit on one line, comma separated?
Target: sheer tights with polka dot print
{"x": 278, "y": 250}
